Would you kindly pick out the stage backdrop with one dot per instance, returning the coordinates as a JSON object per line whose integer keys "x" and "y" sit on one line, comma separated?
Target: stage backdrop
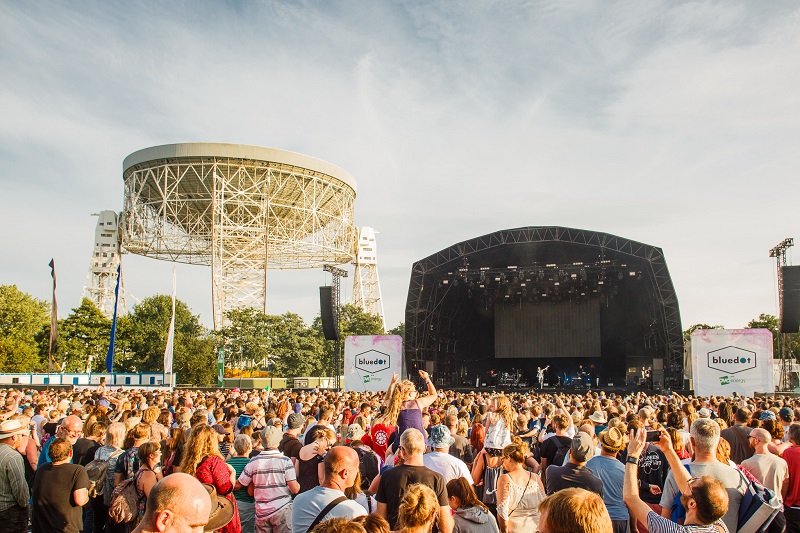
{"x": 725, "y": 361}
{"x": 370, "y": 361}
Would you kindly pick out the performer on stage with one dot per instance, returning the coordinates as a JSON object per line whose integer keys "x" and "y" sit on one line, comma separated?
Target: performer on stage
{"x": 540, "y": 375}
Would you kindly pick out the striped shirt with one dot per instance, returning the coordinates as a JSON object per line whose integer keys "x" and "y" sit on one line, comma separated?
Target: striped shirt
{"x": 13, "y": 489}
{"x": 270, "y": 471}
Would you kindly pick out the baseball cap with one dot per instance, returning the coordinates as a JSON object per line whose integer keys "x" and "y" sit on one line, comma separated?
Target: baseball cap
{"x": 786, "y": 414}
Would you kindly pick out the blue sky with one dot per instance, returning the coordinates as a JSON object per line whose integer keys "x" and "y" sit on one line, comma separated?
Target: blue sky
{"x": 671, "y": 123}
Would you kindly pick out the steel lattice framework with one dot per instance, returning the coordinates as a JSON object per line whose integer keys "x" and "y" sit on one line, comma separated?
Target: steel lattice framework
{"x": 366, "y": 284}
{"x": 423, "y": 308}
{"x": 240, "y": 209}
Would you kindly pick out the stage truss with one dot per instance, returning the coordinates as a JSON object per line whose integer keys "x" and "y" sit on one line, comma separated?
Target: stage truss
{"x": 427, "y": 328}
{"x": 241, "y": 210}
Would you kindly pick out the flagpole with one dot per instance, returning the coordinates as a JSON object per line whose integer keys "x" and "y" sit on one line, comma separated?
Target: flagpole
{"x": 168, "y": 350}
{"x": 53, "y": 325}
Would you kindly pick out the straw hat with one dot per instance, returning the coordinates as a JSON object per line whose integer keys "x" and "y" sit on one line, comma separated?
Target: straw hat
{"x": 611, "y": 440}
{"x": 9, "y": 428}
{"x": 221, "y": 510}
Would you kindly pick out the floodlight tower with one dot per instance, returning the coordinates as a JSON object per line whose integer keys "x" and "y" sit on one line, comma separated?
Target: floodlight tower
{"x": 366, "y": 285}
{"x": 779, "y": 253}
{"x": 239, "y": 209}
{"x": 102, "y": 277}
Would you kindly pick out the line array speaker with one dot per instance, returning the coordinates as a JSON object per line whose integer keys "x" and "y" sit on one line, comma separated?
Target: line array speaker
{"x": 327, "y": 310}
{"x": 790, "y": 317}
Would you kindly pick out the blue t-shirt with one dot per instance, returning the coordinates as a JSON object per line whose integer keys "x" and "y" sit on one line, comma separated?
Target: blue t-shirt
{"x": 612, "y": 473}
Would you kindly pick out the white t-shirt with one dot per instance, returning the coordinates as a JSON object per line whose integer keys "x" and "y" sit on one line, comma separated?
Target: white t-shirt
{"x": 309, "y": 504}
{"x": 448, "y": 466}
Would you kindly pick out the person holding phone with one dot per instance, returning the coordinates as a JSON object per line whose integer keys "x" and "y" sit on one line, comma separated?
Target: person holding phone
{"x": 651, "y": 474}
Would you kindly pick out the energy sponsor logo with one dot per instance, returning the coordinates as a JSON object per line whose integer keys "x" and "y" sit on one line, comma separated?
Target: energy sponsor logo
{"x": 731, "y": 360}
{"x": 372, "y": 361}
{"x": 727, "y": 380}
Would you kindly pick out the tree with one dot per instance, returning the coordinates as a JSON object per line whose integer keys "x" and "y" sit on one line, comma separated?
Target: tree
{"x": 399, "y": 329}
{"x": 142, "y": 339}
{"x": 353, "y": 320}
{"x": 82, "y": 339}
{"x": 22, "y": 317}
{"x": 772, "y": 323}
{"x": 282, "y": 344}
{"x": 687, "y": 335}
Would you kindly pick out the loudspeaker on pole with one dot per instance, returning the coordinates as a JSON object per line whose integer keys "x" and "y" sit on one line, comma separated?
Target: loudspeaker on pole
{"x": 327, "y": 310}
{"x": 790, "y": 317}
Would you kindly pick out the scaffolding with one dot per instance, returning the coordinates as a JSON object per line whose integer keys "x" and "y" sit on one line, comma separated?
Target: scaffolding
{"x": 239, "y": 209}
{"x": 102, "y": 276}
{"x": 366, "y": 285}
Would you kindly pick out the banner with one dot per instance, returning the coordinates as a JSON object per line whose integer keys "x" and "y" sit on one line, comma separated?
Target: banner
{"x": 725, "y": 361}
{"x": 221, "y": 367}
{"x": 112, "y": 340}
{"x": 53, "y": 321}
{"x": 370, "y": 361}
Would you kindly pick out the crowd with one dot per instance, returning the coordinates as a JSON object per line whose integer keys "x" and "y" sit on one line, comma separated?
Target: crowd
{"x": 235, "y": 461}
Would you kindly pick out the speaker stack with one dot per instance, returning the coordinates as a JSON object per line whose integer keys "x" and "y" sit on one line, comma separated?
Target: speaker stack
{"x": 328, "y": 312}
{"x": 790, "y": 317}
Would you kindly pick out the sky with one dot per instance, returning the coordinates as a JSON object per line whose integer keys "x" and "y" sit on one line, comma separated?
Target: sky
{"x": 671, "y": 123}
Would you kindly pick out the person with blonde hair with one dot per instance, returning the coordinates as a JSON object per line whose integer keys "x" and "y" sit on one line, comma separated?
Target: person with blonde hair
{"x": 403, "y": 406}
{"x": 470, "y": 515}
{"x": 418, "y": 509}
{"x": 109, "y": 452}
{"x": 499, "y": 423}
{"x": 203, "y": 460}
{"x": 311, "y": 456}
{"x": 519, "y": 493}
{"x": 574, "y": 511}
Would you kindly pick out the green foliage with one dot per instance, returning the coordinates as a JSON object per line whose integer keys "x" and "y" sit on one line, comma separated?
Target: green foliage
{"x": 82, "y": 339}
{"x": 22, "y": 318}
{"x": 281, "y": 344}
{"x": 352, "y": 321}
{"x": 142, "y": 339}
{"x": 772, "y": 323}
{"x": 399, "y": 329}
{"x": 687, "y": 335}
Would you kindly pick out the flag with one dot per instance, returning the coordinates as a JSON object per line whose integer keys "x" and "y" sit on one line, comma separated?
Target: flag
{"x": 110, "y": 354}
{"x": 53, "y": 319}
{"x": 171, "y": 334}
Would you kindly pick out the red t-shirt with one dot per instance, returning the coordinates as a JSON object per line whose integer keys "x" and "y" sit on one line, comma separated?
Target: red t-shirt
{"x": 380, "y": 438}
{"x": 792, "y": 457}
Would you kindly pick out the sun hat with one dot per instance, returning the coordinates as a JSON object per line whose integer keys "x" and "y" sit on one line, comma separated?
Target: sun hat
{"x": 221, "y": 510}
{"x": 704, "y": 413}
{"x": 9, "y": 428}
{"x": 582, "y": 448}
{"x": 355, "y": 432}
{"x": 611, "y": 439}
{"x": 439, "y": 437}
{"x": 598, "y": 417}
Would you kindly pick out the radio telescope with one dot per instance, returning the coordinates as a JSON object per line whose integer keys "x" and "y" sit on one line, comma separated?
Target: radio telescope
{"x": 239, "y": 209}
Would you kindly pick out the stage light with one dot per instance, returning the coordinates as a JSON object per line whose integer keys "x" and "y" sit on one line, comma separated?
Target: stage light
{"x": 521, "y": 284}
{"x": 600, "y": 282}
{"x": 574, "y": 276}
{"x": 556, "y": 284}
{"x": 497, "y": 279}
{"x": 445, "y": 281}
{"x": 632, "y": 274}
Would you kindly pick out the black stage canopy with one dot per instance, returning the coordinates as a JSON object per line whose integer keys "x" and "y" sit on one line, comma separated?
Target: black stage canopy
{"x": 594, "y": 307}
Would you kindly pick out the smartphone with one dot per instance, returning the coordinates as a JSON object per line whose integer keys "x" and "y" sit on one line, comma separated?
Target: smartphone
{"x": 653, "y": 436}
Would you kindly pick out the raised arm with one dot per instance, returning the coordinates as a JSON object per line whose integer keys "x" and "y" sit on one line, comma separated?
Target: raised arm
{"x": 630, "y": 486}
{"x": 425, "y": 401}
{"x": 389, "y": 391}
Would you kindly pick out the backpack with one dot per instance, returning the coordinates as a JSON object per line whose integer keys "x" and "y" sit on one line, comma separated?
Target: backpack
{"x": 244, "y": 420}
{"x": 368, "y": 466}
{"x": 97, "y": 470}
{"x": 124, "y": 504}
{"x": 561, "y": 453}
